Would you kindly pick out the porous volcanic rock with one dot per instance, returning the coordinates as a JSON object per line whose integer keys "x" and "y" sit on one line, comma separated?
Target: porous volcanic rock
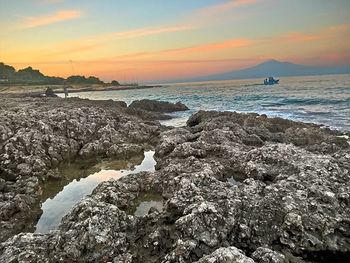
{"x": 37, "y": 134}
{"x": 227, "y": 254}
{"x": 235, "y": 188}
{"x": 158, "y": 106}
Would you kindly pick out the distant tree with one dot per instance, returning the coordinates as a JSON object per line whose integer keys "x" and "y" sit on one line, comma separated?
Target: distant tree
{"x": 76, "y": 80}
{"x": 83, "y": 80}
{"x": 29, "y": 74}
{"x": 94, "y": 80}
{"x": 54, "y": 80}
{"x": 33, "y": 76}
{"x": 6, "y": 72}
{"x": 115, "y": 83}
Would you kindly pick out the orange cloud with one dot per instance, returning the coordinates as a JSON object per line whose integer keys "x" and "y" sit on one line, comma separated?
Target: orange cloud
{"x": 93, "y": 42}
{"x": 185, "y": 51}
{"x": 85, "y": 45}
{"x": 50, "y": 19}
{"x": 72, "y": 49}
{"x": 326, "y": 45}
{"x": 160, "y": 55}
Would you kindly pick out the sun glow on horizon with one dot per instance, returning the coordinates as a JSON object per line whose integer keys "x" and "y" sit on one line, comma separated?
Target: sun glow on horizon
{"x": 125, "y": 41}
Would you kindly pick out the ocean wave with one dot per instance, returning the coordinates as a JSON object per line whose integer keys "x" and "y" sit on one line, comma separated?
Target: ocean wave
{"x": 314, "y": 101}
{"x": 325, "y": 100}
{"x": 281, "y": 101}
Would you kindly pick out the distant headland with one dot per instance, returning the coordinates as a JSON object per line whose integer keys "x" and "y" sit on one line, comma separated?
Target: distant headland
{"x": 30, "y": 76}
{"x": 32, "y": 81}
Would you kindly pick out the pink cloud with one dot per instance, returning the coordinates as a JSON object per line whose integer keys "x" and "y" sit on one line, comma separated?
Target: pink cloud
{"x": 59, "y": 16}
{"x": 203, "y": 48}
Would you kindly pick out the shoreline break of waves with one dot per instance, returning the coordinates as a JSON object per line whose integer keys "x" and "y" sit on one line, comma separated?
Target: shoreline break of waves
{"x": 318, "y": 99}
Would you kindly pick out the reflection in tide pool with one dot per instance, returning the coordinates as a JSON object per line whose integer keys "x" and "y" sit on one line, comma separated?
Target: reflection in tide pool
{"x": 145, "y": 202}
{"x": 56, "y": 207}
{"x": 145, "y": 206}
{"x": 232, "y": 181}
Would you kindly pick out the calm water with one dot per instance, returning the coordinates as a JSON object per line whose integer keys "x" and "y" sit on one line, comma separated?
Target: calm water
{"x": 54, "y": 208}
{"x": 319, "y": 99}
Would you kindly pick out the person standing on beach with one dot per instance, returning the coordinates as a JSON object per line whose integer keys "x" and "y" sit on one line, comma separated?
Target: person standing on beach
{"x": 65, "y": 90}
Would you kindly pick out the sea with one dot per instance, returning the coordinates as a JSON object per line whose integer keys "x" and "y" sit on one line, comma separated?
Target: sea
{"x": 318, "y": 99}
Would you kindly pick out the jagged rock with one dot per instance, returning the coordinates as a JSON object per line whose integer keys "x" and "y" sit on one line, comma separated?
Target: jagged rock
{"x": 306, "y": 135}
{"x": 266, "y": 255}
{"x": 234, "y": 187}
{"x": 40, "y": 133}
{"x": 26, "y": 247}
{"x": 157, "y": 106}
{"x": 226, "y": 255}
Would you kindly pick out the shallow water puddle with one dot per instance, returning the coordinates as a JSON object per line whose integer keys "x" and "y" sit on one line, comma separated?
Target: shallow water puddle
{"x": 59, "y": 197}
{"x": 145, "y": 206}
{"x": 145, "y": 202}
{"x": 232, "y": 181}
{"x": 235, "y": 177}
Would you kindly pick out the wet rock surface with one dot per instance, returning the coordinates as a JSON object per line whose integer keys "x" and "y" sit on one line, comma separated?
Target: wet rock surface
{"x": 158, "y": 106}
{"x": 291, "y": 203}
{"x": 37, "y": 134}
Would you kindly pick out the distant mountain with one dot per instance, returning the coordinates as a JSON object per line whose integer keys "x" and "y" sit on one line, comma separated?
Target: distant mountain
{"x": 276, "y": 69}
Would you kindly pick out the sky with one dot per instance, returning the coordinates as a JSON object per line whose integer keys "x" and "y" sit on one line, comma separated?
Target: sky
{"x": 157, "y": 40}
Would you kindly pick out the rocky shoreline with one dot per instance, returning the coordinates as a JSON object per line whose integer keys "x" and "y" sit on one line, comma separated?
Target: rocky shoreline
{"x": 37, "y": 134}
{"x": 235, "y": 187}
{"x": 38, "y": 90}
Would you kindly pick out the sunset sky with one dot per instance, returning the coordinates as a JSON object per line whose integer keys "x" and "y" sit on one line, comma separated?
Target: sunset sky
{"x": 154, "y": 40}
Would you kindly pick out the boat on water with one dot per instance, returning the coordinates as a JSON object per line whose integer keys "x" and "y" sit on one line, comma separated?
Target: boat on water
{"x": 271, "y": 81}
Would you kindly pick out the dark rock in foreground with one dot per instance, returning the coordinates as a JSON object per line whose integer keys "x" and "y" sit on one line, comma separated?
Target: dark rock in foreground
{"x": 50, "y": 93}
{"x": 236, "y": 188}
{"x": 37, "y": 134}
{"x": 158, "y": 106}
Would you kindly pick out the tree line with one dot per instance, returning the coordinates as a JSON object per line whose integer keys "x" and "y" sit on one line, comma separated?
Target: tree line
{"x": 30, "y": 76}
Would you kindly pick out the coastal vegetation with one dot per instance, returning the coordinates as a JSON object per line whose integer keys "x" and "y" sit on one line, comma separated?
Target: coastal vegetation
{"x": 30, "y": 76}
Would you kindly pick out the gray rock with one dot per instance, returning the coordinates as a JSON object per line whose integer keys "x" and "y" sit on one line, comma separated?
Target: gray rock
{"x": 290, "y": 202}
{"x": 226, "y": 255}
{"x": 266, "y": 255}
{"x": 157, "y": 106}
{"x": 40, "y": 133}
